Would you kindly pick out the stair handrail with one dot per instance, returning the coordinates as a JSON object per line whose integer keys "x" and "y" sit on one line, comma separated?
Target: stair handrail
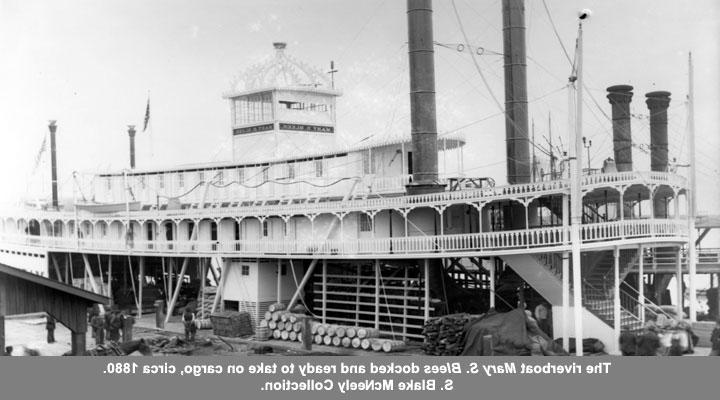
{"x": 589, "y": 289}
{"x": 647, "y": 305}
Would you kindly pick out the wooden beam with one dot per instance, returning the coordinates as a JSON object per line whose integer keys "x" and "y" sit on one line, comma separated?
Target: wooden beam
{"x": 88, "y": 270}
{"x": 377, "y": 294}
{"x": 426, "y": 310}
{"x": 305, "y": 280}
{"x": 171, "y": 306}
{"x": 110, "y": 278}
{"x": 220, "y": 289}
{"x": 203, "y": 273}
{"x": 324, "y": 292}
{"x": 77, "y": 343}
{"x": 56, "y": 266}
{"x": 2, "y": 335}
{"x": 141, "y": 280}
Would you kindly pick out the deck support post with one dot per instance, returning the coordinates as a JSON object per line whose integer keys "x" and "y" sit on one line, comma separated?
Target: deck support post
{"x": 2, "y": 335}
{"x": 220, "y": 285}
{"x": 109, "y": 285}
{"x": 566, "y": 300}
{"x": 616, "y": 295}
{"x": 279, "y": 281}
{"x": 679, "y": 282}
{"x": 377, "y": 294}
{"x": 324, "y": 292}
{"x": 77, "y": 343}
{"x": 141, "y": 280}
{"x": 426, "y": 309}
{"x": 641, "y": 284}
{"x": 176, "y": 293}
{"x": 203, "y": 276}
{"x": 492, "y": 285}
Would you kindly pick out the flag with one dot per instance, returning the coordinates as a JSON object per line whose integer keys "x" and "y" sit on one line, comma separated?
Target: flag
{"x": 43, "y": 147}
{"x": 147, "y": 115}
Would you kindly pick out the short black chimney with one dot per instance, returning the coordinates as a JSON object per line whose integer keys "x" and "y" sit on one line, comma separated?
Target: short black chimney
{"x": 131, "y": 133}
{"x": 53, "y": 164}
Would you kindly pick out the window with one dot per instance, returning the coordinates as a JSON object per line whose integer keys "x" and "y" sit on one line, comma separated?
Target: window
{"x": 266, "y": 174}
{"x": 265, "y": 229}
{"x": 169, "y": 231}
{"x": 283, "y": 269}
{"x": 237, "y": 230}
{"x": 161, "y": 181}
{"x": 150, "y": 233}
{"x": 103, "y": 230}
{"x": 191, "y": 226}
{"x": 201, "y": 176}
{"x": 141, "y": 178}
{"x": 318, "y": 168}
{"x": 181, "y": 179}
{"x": 364, "y": 222}
{"x": 108, "y": 181}
{"x": 213, "y": 231}
{"x": 367, "y": 167}
{"x": 253, "y": 108}
{"x": 291, "y": 171}
{"x": 246, "y": 270}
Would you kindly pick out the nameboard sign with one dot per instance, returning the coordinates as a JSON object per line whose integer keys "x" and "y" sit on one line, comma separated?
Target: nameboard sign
{"x": 253, "y": 129}
{"x": 306, "y": 128}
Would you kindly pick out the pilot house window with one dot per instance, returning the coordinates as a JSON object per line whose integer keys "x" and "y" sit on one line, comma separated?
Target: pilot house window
{"x": 364, "y": 222}
{"x": 253, "y": 108}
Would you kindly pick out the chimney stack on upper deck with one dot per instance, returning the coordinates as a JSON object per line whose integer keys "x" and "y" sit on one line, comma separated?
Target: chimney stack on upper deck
{"x": 658, "y": 103}
{"x": 517, "y": 143}
{"x": 422, "y": 98}
{"x": 53, "y": 164}
{"x": 131, "y": 134}
{"x": 620, "y": 97}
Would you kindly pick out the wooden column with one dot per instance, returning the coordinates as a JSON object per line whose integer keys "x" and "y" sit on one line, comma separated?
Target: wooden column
{"x": 279, "y": 280}
{"x": 426, "y": 313}
{"x": 3, "y": 311}
{"x": 110, "y": 277}
{"x": 641, "y": 284}
{"x": 324, "y": 291}
{"x": 492, "y": 285}
{"x": 679, "y": 281}
{"x": 141, "y": 280}
{"x": 377, "y": 294}
{"x": 203, "y": 275}
{"x": 616, "y": 294}
{"x": 2, "y": 335}
{"x": 77, "y": 343}
{"x": 171, "y": 306}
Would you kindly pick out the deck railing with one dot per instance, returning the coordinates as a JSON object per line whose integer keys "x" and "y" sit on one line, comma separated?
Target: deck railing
{"x": 531, "y": 239}
{"x": 371, "y": 193}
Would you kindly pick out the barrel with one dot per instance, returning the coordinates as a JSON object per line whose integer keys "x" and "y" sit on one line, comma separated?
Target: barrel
{"x": 365, "y": 344}
{"x": 355, "y": 342}
{"x": 363, "y": 333}
{"x": 284, "y": 335}
{"x": 336, "y": 340}
{"x": 389, "y": 346}
{"x": 300, "y": 337}
{"x": 314, "y": 327}
{"x": 281, "y": 325}
{"x": 298, "y": 309}
{"x": 284, "y": 317}
{"x": 272, "y": 324}
{"x": 297, "y": 327}
{"x": 327, "y": 340}
{"x": 346, "y": 341}
{"x": 289, "y": 326}
{"x": 204, "y": 323}
{"x": 318, "y": 339}
{"x": 376, "y": 344}
{"x": 351, "y": 332}
{"x": 263, "y": 323}
{"x": 331, "y": 330}
{"x": 322, "y": 329}
{"x": 276, "y": 334}
{"x": 262, "y": 333}
{"x": 268, "y": 315}
{"x": 293, "y": 336}
{"x": 340, "y": 331}
{"x": 276, "y": 307}
{"x": 276, "y": 315}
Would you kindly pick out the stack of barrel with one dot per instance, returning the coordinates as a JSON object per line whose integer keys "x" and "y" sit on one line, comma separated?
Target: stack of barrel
{"x": 444, "y": 335}
{"x": 283, "y": 325}
{"x": 355, "y": 337}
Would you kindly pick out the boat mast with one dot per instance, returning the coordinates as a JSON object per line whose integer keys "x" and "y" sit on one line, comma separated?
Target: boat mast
{"x": 576, "y": 197}
{"x": 692, "y": 198}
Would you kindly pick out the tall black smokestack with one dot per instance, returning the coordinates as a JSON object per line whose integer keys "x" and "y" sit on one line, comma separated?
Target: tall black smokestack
{"x": 658, "y": 103}
{"x": 422, "y": 97}
{"x": 620, "y": 97}
{"x": 131, "y": 134}
{"x": 516, "y": 112}
{"x": 53, "y": 164}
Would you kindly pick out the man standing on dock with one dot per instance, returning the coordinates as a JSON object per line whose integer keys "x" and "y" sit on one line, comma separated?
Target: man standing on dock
{"x": 50, "y": 326}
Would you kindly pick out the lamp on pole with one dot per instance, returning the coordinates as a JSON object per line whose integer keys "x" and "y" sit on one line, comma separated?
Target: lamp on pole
{"x": 587, "y": 144}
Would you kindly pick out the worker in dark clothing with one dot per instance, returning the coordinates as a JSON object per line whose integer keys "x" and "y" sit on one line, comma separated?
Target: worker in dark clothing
{"x": 715, "y": 339}
{"x": 50, "y": 326}
{"x": 98, "y": 327}
{"x": 188, "y": 319}
{"x": 115, "y": 324}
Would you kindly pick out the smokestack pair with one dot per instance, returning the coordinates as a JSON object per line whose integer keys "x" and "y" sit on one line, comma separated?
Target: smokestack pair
{"x": 657, "y": 102}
